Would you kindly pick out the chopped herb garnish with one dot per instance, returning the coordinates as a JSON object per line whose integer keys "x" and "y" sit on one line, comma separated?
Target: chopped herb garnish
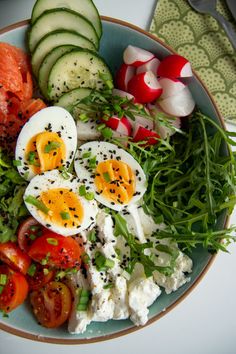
{"x": 89, "y": 195}
{"x": 86, "y": 155}
{"x": 3, "y": 279}
{"x": 32, "y": 269}
{"x": 52, "y": 241}
{"x": 82, "y": 190}
{"x": 45, "y": 260}
{"x": 92, "y": 236}
{"x": 37, "y": 203}
{"x": 52, "y": 145}
{"x": 65, "y": 215}
{"x": 92, "y": 162}
{"x": 32, "y": 158}
{"x": 83, "y": 117}
{"x": 64, "y": 172}
{"x": 103, "y": 263}
{"x": 16, "y": 163}
{"x": 106, "y": 177}
{"x": 108, "y": 286}
{"x": 83, "y": 302}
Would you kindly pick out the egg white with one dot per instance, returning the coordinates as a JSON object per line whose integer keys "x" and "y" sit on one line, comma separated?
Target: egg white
{"x": 55, "y": 119}
{"x": 106, "y": 151}
{"x": 54, "y": 179}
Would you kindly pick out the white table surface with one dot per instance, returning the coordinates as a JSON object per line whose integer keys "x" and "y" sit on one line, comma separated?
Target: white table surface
{"x": 205, "y": 322}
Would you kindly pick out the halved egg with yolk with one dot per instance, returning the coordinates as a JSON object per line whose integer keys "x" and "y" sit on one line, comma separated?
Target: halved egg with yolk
{"x": 112, "y": 173}
{"x": 57, "y": 204}
{"x": 46, "y": 142}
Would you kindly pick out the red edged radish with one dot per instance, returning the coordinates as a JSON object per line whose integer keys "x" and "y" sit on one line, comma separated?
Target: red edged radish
{"x": 151, "y": 65}
{"x": 141, "y": 134}
{"x": 123, "y": 76}
{"x": 136, "y": 56}
{"x": 170, "y": 87}
{"x": 145, "y": 87}
{"x": 120, "y": 125}
{"x": 145, "y": 122}
{"x": 174, "y": 66}
{"x": 179, "y": 105}
{"x": 122, "y": 94}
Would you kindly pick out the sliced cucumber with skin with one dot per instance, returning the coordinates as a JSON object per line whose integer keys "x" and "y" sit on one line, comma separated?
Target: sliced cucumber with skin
{"x": 73, "y": 97}
{"x": 47, "y": 65}
{"x": 55, "y": 39}
{"x": 83, "y": 7}
{"x": 57, "y": 19}
{"x": 79, "y": 68}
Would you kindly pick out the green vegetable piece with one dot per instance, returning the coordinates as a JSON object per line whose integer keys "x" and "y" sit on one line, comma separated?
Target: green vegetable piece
{"x": 52, "y": 145}
{"x": 86, "y": 155}
{"x": 65, "y": 215}
{"x": 92, "y": 162}
{"x": 92, "y": 236}
{"x": 107, "y": 133}
{"x": 89, "y": 196}
{"x": 3, "y": 279}
{"x": 37, "y": 203}
{"x": 82, "y": 190}
{"x": 16, "y": 163}
{"x": 52, "y": 241}
{"x": 32, "y": 269}
{"x": 106, "y": 177}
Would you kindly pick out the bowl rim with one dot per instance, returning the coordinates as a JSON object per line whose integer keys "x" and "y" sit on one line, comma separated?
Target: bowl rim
{"x": 71, "y": 341}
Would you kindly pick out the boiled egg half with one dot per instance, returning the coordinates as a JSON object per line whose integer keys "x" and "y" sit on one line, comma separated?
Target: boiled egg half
{"x": 111, "y": 173}
{"x": 53, "y": 199}
{"x": 46, "y": 142}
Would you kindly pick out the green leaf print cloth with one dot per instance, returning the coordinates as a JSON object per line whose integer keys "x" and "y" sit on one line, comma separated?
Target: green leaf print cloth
{"x": 202, "y": 40}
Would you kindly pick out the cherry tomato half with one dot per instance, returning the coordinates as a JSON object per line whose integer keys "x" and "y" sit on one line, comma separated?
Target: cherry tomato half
{"x": 12, "y": 255}
{"x": 40, "y": 277}
{"x": 57, "y": 251}
{"x": 28, "y": 231}
{"x": 15, "y": 291}
{"x": 52, "y": 304}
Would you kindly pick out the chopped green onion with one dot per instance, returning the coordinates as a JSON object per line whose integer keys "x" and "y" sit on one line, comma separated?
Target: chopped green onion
{"x": 85, "y": 258}
{"x": 52, "y": 241}
{"x": 64, "y": 172}
{"x": 65, "y": 215}
{"x": 32, "y": 237}
{"x": 16, "y": 163}
{"x": 1, "y": 288}
{"x": 3, "y": 279}
{"x": 37, "y": 203}
{"x": 84, "y": 297}
{"x": 26, "y": 175}
{"x": 82, "y": 190}
{"x": 92, "y": 236}
{"x": 52, "y": 145}
{"x": 45, "y": 271}
{"x": 32, "y": 269}
{"x": 86, "y": 154}
{"x": 108, "y": 286}
{"x": 107, "y": 177}
{"x": 89, "y": 196}
{"x": 35, "y": 227}
{"x": 83, "y": 117}
{"x": 31, "y": 158}
{"x": 61, "y": 274}
{"x": 103, "y": 263}
{"x": 45, "y": 260}
{"x": 101, "y": 127}
{"x": 107, "y": 133}
{"x": 109, "y": 84}
{"x": 92, "y": 162}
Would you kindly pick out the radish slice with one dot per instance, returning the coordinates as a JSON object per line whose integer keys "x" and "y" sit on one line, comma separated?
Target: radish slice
{"x": 123, "y": 94}
{"x": 151, "y": 65}
{"x": 136, "y": 56}
{"x": 123, "y": 76}
{"x": 170, "y": 87}
{"x": 120, "y": 125}
{"x": 124, "y": 127}
{"x": 112, "y": 122}
{"x": 145, "y": 122}
{"x": 179, "y": 105}
{"x": 140, "y": 133}
{"x": 174, "y": 66}
{"x": 145, "y": 87}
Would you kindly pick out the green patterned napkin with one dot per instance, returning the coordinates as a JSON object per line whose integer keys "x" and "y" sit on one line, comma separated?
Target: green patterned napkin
{"x": 203, "y": 41}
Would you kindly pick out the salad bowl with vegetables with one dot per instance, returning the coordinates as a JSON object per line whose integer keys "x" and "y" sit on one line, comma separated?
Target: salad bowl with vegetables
{"x": 117, "y": 176}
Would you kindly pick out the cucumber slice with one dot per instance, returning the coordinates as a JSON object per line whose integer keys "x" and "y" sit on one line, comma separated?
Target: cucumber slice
{"x": 73, "y": 97}
{"x": 83, "y": 7}
{"x": 56, "y": 19}
{"x": 56, "y": 39}
{"x": 79, "y": 68}
{"x": 47, "y": 65}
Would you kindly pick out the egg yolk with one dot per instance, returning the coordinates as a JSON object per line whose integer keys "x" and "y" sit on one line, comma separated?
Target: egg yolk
{"x": 65, "y": 208}
{"x": 45, "y": 151}
{"x": 115, "y": 181}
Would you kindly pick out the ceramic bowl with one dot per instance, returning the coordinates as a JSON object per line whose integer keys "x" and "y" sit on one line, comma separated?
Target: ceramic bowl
{"x": 116, "y": 36}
